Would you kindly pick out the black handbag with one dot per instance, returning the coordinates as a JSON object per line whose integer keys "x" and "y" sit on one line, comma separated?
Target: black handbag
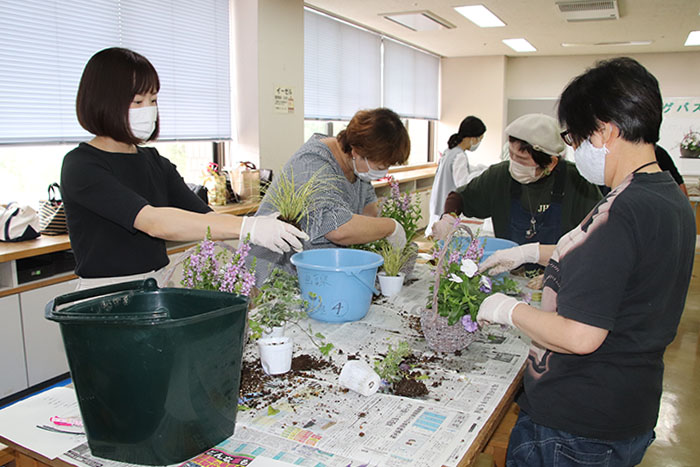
{"x": 52, "y": 215}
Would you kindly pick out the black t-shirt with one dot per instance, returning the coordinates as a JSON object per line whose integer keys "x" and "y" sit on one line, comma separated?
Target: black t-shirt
{"x": 625, "y": 269}
{"x": 103, "y": 192}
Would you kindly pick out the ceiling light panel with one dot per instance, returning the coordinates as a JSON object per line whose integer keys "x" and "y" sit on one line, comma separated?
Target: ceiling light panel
{"x": 419, "y": 20}
{"x": 519, "y": 45}
{"x": 693, "y": 38}
{"x": 480, "y": 15}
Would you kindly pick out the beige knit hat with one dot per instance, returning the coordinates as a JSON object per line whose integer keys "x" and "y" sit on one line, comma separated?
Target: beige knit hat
{"x": 540, "y": 130}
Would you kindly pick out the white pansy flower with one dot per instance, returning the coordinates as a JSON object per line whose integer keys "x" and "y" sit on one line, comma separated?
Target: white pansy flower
{"x": 455, "y": 278}
{"x": 469, "y": 267}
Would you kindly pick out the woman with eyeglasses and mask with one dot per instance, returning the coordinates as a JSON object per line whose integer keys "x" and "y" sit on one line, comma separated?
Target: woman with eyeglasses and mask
{"x": 614, "y": 287}
{"x": 345, "y": 215}
{"x": 123, "y": 200}
{"x": 535, "y": 197}
{"x": 454, "y": 168}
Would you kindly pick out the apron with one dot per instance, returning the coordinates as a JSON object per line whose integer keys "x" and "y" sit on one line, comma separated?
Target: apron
{"x": 547, "y": 228}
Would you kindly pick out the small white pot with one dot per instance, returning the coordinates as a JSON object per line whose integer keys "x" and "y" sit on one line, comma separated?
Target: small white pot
{"x": 275, "y": 354}
{"x": 275, "y": 331}
{"x": 390, "y": 285}
{"x": 360, "y": 377}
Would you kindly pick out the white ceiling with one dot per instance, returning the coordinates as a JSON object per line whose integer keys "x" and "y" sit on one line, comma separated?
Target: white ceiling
{"x": 665, "y": 22}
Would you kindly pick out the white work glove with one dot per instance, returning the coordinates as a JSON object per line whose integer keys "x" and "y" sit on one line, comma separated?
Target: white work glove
{"x": 510, "y": 258}
{"x": 271, "y": 233}
{"x": 498, "y": 309}
{"x": 397, "y": 238}
{"x": 444, "y": 227}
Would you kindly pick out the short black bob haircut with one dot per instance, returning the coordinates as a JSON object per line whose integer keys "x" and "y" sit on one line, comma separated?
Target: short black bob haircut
{"x": 618, "y": 91}
{"x": 111, "y": 79}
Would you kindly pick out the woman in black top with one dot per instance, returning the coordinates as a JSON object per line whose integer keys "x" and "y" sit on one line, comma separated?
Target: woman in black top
{"x": 124, "y": 200}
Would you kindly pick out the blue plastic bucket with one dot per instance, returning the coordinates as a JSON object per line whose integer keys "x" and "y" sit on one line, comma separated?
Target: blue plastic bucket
{"x": 489, "y": 244}
{"x": 342, "y": 278}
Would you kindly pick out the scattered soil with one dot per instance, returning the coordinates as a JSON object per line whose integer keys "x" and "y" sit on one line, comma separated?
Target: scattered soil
{"x": 306, "y": 362}
{"x": 257, "y": 388}
{"x": 410, "y": 387}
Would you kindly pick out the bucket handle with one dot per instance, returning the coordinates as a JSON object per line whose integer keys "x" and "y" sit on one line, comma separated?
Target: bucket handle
{"x": 357, "y": 276}
{"x": 149, "y": 284}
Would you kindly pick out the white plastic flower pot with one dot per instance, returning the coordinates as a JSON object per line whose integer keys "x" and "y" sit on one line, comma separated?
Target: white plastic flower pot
{"x": 275, "y": 354}
{"x": 359, "y": 377}
{"x": 274, "y": 331}
{"x": 390, "y": 285}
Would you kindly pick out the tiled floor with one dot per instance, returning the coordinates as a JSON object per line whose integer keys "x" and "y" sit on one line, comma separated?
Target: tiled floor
{"x": 679, "y": 420}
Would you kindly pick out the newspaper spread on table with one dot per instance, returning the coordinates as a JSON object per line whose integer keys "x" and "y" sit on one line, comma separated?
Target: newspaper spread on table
{"x": 318, "y": 423}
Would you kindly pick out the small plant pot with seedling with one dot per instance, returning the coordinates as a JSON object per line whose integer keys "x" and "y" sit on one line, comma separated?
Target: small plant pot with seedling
{"x": 275, "y": 354}
{"x": 390, "y": 285}
{"x": 391, "y": 278}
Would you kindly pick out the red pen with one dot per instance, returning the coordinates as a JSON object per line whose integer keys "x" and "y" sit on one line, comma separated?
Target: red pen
{"x": 70, "y": 421}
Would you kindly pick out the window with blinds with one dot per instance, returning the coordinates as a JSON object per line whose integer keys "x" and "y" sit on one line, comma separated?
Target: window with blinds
{"x": 44, "y": 45}
{"x": 347, "y": 68}
{"x": 342, "y": 68}
{"x": 411, "y": 81}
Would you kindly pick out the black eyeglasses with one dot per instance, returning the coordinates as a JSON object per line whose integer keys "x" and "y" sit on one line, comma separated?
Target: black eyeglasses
{"x": 567, "y": 137}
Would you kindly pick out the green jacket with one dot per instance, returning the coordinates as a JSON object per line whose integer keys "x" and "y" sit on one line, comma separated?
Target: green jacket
{"x": 489, "y": 195}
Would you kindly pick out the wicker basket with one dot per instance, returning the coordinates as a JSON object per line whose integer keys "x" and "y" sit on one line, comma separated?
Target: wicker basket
{"x": 440, "y": 336}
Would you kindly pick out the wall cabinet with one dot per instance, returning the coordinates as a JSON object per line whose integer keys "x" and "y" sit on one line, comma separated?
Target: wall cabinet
{"x": 45, "y": 354}
{"x": 13, "y": 370}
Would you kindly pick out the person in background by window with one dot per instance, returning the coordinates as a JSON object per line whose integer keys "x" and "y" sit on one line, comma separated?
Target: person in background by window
{"x": 615, "y": 286}
{"x": 454, "y": 168}
{"x": 345, "y": 215}
{"x": 536, "y": 196}
{"x": 124, "y": 200}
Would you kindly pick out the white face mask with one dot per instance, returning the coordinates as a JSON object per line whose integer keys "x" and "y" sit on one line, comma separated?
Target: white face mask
{"x": 523, "y": 173}
{"x": 590, "y": 162}
{"x": 371, "y": 174}
{"x": 474, "y": 146}
{"x": 142, "y": 121}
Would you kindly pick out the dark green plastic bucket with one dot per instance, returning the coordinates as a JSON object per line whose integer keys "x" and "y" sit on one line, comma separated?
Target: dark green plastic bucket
{"x": 156, "y": 371}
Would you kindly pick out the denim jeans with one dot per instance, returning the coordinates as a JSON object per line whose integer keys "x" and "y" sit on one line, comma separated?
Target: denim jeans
{"x": 537, "y": 445}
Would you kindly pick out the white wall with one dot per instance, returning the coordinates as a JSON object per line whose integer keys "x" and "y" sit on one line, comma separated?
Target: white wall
{"x": 269, "y": 38}
{"x": 533, "y": 77}
{"x": 473, "y": 86}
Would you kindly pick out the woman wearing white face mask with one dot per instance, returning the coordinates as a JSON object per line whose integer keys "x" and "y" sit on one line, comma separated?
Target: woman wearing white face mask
{"x": 373, "y": 141}
{"x": 536, "y": 196}
{"x": 124, "y": 200}
{"x": 614, "y": 287}
{"x": 454, "y": 168}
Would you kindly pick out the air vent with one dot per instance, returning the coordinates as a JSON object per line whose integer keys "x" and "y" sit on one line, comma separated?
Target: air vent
{"x": 588, "y": 10}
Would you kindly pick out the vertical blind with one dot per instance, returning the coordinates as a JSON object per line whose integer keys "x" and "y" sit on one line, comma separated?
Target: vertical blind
{"x": 343, "y": 72}
{"x": 411, "y": 81}
{"x": 342, "y": 68}
{"x": 45, "y": 44}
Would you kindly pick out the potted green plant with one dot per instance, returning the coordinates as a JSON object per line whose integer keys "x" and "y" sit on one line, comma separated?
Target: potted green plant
{"x": 277, "y": 303}
{"x": 449, "y": 320}
{"x": 294, "y": 200}
{"x": 690, "y": 145}
{"x": 391, "y": 276}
